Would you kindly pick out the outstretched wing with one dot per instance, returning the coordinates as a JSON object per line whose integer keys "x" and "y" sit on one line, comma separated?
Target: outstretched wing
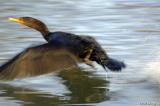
{"x": 37, "y": 60}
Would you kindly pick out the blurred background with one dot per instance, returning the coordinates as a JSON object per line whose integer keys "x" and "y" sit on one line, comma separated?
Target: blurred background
{"x": 127, "y": 29}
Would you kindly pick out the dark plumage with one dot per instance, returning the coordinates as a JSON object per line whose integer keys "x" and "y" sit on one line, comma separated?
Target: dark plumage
{"x": 64, "y": 48}
{"x": 38, "y": 60}
{"x": 84, "y": 47}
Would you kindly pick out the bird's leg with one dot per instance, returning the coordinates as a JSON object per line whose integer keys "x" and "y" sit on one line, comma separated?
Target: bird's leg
{"x": 87, "y": 60}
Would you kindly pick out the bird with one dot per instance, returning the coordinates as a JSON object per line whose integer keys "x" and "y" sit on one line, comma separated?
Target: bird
{"x": 60, "y": 47}
{"x": 85, "y": 47}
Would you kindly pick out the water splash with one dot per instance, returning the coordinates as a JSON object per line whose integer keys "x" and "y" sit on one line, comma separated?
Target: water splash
{"x": 153, "y": 71}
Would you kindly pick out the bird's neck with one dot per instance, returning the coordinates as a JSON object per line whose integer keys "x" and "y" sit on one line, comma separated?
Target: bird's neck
{"x": 45, "y": 35}
{"x": 43, "y": 30}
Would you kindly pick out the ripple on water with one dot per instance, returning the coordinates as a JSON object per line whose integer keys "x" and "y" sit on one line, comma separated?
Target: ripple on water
{"x": 128, "y": 30}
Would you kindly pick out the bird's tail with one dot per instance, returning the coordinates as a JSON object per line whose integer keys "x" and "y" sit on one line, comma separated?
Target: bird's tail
{"x": 112, "y": 64}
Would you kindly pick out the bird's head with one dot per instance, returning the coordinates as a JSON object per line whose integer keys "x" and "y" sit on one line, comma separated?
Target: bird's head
{"x": 31, "y": 23}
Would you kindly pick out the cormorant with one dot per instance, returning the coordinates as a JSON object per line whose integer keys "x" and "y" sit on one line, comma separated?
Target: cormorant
{"x": 73, "y": 47}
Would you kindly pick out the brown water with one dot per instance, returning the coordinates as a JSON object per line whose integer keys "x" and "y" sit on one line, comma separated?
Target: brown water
{"x": 127, "y": 29}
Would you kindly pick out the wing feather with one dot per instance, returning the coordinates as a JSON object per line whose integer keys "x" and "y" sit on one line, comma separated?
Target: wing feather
{"x": 37, "y": 60}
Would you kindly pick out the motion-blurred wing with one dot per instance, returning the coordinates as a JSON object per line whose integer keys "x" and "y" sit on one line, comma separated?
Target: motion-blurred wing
{"x": 37, "y": 60}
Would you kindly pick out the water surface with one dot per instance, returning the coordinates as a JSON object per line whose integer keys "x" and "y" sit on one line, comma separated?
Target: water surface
{"x": 127, "y": 29}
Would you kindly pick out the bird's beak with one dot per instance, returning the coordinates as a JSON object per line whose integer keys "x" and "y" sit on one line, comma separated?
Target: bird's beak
{"x": 18, "y": 20}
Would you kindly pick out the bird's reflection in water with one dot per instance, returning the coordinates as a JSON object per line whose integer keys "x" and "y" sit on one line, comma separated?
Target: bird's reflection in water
{"x": 85, "y": 87}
